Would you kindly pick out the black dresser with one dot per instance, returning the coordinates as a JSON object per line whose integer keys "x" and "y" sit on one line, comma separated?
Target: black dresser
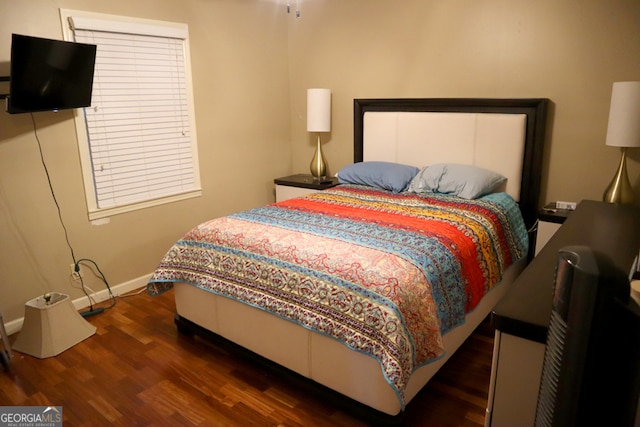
{"x": 521, "y": 318}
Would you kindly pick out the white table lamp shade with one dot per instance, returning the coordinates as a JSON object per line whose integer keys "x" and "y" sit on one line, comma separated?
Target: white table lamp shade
{"x": 51, "y": 328}
{"x": 624, "y": 115}
{"x": 318, "y": 110}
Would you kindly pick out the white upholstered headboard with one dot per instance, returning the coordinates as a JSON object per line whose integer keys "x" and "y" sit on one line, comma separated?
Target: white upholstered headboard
{"x": 491, "y": 141}
{"x": 503, "y": 135}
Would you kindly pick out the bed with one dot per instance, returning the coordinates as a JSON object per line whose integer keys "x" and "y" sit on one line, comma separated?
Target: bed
{"x": 368, "y": 290}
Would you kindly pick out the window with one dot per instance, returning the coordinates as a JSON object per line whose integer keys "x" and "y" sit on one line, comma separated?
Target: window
{"x": 137, "y": 139}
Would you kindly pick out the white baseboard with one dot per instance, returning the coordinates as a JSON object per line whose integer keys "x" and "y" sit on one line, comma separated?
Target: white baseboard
{"x": 83, "y": 302}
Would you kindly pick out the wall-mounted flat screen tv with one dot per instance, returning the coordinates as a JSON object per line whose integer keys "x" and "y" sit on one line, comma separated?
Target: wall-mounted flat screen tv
{"x": 49, "y": 75}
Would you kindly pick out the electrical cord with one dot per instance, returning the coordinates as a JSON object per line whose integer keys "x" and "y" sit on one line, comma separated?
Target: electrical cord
{"x": 76, "y": 263}
{"x": 55, "y": 200}
{"x": 133, "y": 293}
{"x": 104, "y": 279}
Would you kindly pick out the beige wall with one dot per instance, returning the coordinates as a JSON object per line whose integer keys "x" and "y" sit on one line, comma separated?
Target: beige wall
{"x": 252, "y": 64}
{"x": 570, "y": 51}
{"x": 240, "y": 78}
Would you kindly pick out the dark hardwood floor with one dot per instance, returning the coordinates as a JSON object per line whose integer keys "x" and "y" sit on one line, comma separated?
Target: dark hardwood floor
{"x": 139, "y": 371}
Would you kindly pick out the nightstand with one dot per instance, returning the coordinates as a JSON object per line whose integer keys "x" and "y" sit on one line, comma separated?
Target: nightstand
{"x": 300, "y": 185}
{"x": 550, "y": 219}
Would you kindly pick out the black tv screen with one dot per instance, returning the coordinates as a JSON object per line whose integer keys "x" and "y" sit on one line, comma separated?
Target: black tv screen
{"x": 49, "y": 75}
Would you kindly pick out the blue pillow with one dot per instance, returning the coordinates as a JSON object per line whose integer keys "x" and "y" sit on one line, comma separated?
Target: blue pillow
{"x": 466, "y": 181}
{"x": 386, "y": 175}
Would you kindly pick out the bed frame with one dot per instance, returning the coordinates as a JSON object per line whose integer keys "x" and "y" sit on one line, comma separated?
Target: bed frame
{"x": 392, "y": 130}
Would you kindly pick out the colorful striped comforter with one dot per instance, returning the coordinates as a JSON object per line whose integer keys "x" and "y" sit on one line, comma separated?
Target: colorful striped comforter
{"x": 387, "y": 274}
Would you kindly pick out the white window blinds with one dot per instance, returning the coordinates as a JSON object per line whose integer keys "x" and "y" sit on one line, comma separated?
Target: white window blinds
{"x": 139, "y": 125}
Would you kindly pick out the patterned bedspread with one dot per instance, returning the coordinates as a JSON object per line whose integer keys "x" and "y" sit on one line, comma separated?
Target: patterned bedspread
{"x": 387, "y": 274}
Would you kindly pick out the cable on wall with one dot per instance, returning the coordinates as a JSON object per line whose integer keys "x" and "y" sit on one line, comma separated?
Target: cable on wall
{"x": 76, "y": 262}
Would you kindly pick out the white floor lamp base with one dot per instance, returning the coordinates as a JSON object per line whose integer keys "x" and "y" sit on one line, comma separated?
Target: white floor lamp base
{"x": 51, "y": 328}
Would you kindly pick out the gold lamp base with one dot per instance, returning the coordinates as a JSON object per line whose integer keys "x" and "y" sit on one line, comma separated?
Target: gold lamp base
{"x": 318, "y": 163}
{"x": 620, "y": 190}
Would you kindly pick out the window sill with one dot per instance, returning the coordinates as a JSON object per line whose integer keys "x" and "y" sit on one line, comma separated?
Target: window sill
{"x": 96, "y": 213}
